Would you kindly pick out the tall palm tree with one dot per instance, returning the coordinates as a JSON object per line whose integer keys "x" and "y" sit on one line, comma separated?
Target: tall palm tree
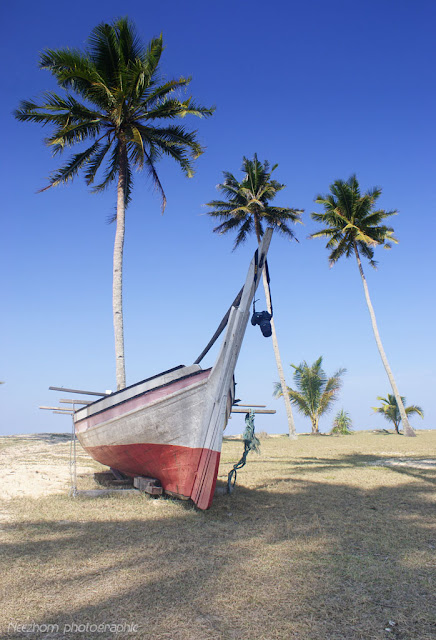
{"x": 121, "y": 108}
{"x": 315, "y": 392}
{"x": 391, "y": 411}
{"x": 246, "y": 209}
{"x": 354, "y": 227}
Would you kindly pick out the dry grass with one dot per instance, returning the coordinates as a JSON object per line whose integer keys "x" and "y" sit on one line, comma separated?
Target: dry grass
{"x": 317, "y": 542}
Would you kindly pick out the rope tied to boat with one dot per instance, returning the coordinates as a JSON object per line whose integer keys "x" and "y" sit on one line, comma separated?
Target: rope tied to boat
{"x": 251, "y": 443}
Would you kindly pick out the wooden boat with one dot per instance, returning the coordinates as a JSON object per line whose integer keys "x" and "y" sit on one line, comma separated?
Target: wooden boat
{"x": 170, "y": 426}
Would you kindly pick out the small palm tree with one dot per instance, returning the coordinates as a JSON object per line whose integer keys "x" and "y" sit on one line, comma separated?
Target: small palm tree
{"x": 354, "y": 227}
{"x": 117, "y": 108}
{"x": 342, "y": 423}
{"x": 315, "y": 392}
{"x": 247, "y": 208}
{"x": 391, "y": 412}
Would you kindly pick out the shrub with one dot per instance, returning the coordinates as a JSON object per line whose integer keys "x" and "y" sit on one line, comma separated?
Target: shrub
{"x": 342, "y": 423}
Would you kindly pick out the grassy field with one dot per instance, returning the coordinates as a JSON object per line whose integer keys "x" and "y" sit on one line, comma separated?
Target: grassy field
{"x": 320, "y": 540}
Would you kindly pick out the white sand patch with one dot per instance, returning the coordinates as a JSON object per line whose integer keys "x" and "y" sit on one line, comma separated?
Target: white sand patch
{"x": 36, "y": 465}
{"x": 405, "y": 462}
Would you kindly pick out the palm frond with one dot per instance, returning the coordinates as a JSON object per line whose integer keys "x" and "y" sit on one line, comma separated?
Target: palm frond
{"x": 299, "y": 401}
{"x": 72, "y": 167}
{"x": 128, "y": 186}
{"x": 112, "y": 169}
{"x": 390, "y": 410}
{"x": 249, "y": 199}
{"x": 150, "y": 95}
{"x": 351, "y": 221}
{"x": 95, "y": 162}
{"x": 153, "y": 174}
{"x": 314, "y": 392}
{"x": 171, "y": 140}
{"x": 244, "y": 231}
{"x": 412, "y": 409}
{"x": 114, "y": 91}
{"x": 73, "y": 134}
{"x": 106, "y": 53}
{"x": 136, "y": 147}
{"x": 227, "y": 225}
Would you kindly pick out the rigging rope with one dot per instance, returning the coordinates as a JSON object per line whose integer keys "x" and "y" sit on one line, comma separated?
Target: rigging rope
{"x": 73, "y": 460}
{"x": 251, "y": 443}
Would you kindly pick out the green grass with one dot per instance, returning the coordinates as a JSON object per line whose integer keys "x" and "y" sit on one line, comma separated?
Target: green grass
{"x": 317, "y": 542}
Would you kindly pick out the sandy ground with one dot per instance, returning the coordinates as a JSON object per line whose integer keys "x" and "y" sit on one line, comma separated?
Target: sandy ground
{"x": 39, "y": 464}
{"x": 36, "y": 465}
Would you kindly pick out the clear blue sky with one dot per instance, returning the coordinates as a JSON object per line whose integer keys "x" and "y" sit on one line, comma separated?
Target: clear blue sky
{"x": 324, "y": 89}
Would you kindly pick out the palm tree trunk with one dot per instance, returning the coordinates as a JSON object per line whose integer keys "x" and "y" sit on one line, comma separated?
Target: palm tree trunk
{"x": 407, "y": 429}
{"x": 117, "y": 290}
{"x": 291, "y": 424}
{"x": 285, "y": 395}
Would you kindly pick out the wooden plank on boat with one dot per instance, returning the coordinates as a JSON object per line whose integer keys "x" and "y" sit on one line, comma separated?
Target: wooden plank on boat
{"x": 236, "y": 404}
{"x": 240, "y": 410}
{"x": 149, "y": 485}
{"x": 85, "y": 393}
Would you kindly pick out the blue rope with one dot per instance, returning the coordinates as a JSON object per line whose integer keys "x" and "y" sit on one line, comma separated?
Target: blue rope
{"x": 251, "y": 443}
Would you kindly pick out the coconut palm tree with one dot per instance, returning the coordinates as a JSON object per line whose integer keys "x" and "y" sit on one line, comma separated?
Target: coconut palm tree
{"x": 115, "y": 101}
{"x": 246, "y": 209}
{"x": 391, "y": 411}
{"x": 315, "y": 392}
{"x": 354, "y": 227}
{"x": 342, "y": 423}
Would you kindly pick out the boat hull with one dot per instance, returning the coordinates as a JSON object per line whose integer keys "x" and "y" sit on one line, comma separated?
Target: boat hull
{"x": 171, "y": 426}
{"x": 176, "y": 467}
{"x": 158, "y": 432}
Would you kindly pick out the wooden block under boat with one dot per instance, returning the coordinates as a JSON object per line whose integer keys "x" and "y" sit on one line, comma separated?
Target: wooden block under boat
{"x": 107, "y": 479}
{"x": 149, "y": 485}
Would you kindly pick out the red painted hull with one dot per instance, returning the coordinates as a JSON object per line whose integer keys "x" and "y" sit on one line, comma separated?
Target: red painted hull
{"x": 176, "y": 467}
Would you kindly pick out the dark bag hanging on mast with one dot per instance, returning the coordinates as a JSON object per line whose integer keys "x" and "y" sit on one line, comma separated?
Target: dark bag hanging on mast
{"x": 263, "y": 318}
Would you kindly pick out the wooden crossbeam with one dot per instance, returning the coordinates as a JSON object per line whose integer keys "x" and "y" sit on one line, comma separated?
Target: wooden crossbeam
{"x": 236, "y": 404}
{"x": 240, "y": 410}
{"x": 85, "y": 393}
{"x": 58, "y": 409}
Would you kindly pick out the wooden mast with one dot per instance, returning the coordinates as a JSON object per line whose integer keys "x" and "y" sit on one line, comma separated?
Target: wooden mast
{"x": 220, "y": 379}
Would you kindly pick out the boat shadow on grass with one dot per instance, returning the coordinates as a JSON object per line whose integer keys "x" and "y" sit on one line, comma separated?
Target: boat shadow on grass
{"x": 299, "y": 558}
